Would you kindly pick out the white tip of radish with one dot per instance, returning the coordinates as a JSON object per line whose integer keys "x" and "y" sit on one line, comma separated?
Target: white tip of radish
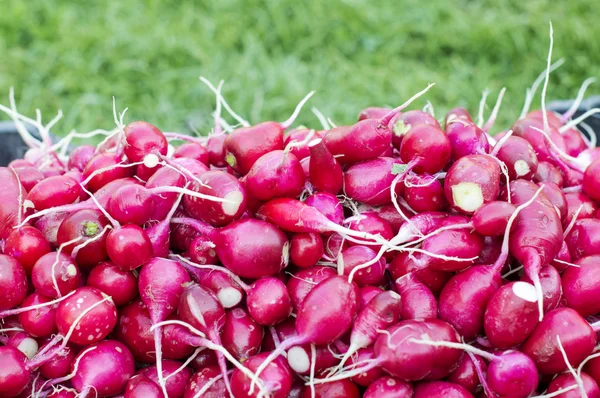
{"x": 29, "y": 347}
{"x": 298, "y": 360}
{"x": 28, "y": 204}
{"x": 235, "y": 199}
{"x": 285, "y": 254}
{"x": 151, "y": 161}
{"x": 521, "y": 168}
{"x": 229, "y": 297}
{"x": 525, "y": 290}
{"x": 170, "y": 151}
{"x": 467, "y": 196}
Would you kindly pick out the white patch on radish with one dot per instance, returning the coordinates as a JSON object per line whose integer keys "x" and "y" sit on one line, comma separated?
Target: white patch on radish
{"x": 118, "y": 349}
{"x": 151, "y": 161}
{"x": 298, "y": 360}
{"x": 195, "y": 310}
{"x": 235, "y": 199}
{"x": 467, "y": 196}
{"x": 71, "y": 270}
{"x": 285, "y": 254}
{"x": 400, "y": 128}
{"x": 521, "y": 168}
{"x": 29, "y": 347}
{"x": 229, "y": 297}
{"x": 525, "y": 291}
{"x": 28, "y": 204}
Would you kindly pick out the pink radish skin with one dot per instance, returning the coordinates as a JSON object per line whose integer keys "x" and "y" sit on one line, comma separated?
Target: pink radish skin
{"x": 304, "y": 282}
{"x": 592, "y": 368}
{"x": 176, "y": 384}
{"x": 471, "y": 182}
{"x": 48, "y": 225}
{"x": 14, "y": 375}
{"x": 221, "y": 284}
{"x": 516, "y": 299}
{"x": 300, "y": 359}
{"x": 131, "y": 204}
{"x": 404, "y": 121}
{"x": 389, "y": 387}
{"x": 457, "y": 113}
{"x": 110, "y": 279}
{"x": 128, "y": 247}
{"x": 591, "y": 182}
{"x": 95, "y": 325}
{"x": 104, "y": 161}
{"x": 222, "y": 185}
{"x": 584, "y": 240}
{"x": 576, "y": 200}
{"x": 441, "y": 389}
{"x": 299, "y": 135}
{"x": 80, "y": 157}
{"x": 526, "y": 128}
{"x": 355, "y": 256}
{"x": 190, "y": 166}
{"x": 563, "y": 256}
{"x": 581, "y": 285}
{"x": 275, "y": 174}
{"x": 29, "y": 176}
{"x": 41, "y": 321}
{"x": 405, "y": 263}
{"x": 519, "y": 157}
{"x": 336, "y": 389}
{"x": 216, "y": 150}
{"x": 324, "y": 170}
{"x": 13, "y": 283}
{"x": 424, "y": 193}
{"x": 492, "y": 248}
{"x": 369, "y": 182}
{"x": 306, "y": 249}
{"x": 68, "y": 393}
{"x": 466, "y": 139}
{"x": 365, "y": 379}
{"x": 268, "y": 301}
{"x": 417, "y": 300}
{"x": 84, "y": 227}
{"x": 557, "y": 199}
{"x": 54, "y": 275}
{"x": 547, "y": 172}
{"x": 202, "y": 251}
{"x": 567, "y": 380}
{"x": 139, "y": 386}
{"x": 54, "y": 192}
{"x": 577, "y": 338}
{"x": 277, "y": 373}
{"x": 491, "y": 218}
{"x": 241, "y": 336}
{"x": 427, "y": 147}
{"x": 24, "y": 343}
{"x": 105, "y": 367}
{"x": 465, "y": 374}
{"x": 328, "y": 204}
{"x": 372, "y": 224}
{"x": 245, "y": 145}
{"x": 142, "y": 138}
{"x": 367, "y": 293}
{"x": 202, "y": 378}
{"x": 192, "y": 150}
{"x": 373, "y": 112}
{"x": 466, "y": 245}
{"x": 550, "y": 280}
{"x": 60, "y": 365}
{"x": 512, "y": 374}
{"x": 364, "y": 140}
{"x": 389, "y": 214}
{"x": 165, "y": 177}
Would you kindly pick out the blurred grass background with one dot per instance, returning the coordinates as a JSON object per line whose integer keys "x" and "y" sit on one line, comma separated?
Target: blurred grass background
{"x": 75, "y": 55}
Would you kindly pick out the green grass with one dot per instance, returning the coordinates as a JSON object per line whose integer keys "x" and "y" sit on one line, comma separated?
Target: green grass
{"x": 76, "y": 55}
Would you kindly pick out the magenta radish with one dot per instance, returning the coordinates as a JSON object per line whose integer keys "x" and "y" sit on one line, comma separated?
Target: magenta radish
{"x": 366, "y": 378}
{"x": 583, "y": 239}
{"x": 192, "y": 150}
{"x": 519, "y": 157}
{"x": 54, "y": 275}
{"x": 175, "y": 382}
{"x": 299, "y": 135}
{"x": 466, "y": 373}
{"x": 113, "y": 281}
{"x": 336, "y": 389}
{"x": 491, "y": 218}
{"x": 324, "y": 170}
{"x": 547, "y": 172}
{"x": 133, "y": 329}
{"x": 356, "y": 256}
{"x": 216, "y": 150}
{"x": 389, "y": 387}
{"x": 458, "y": 114}
{"x": 165, "y": 177}
{"x": 306, "y": 249}
{"x": 562, "y": 260}
{"x": 364, "y": 140}
{"x": 373, "y": 112}
{"x": 579, "y": 285}
{"x": 226, "y": 287}
{"x": 26, "y": 245}
{"x": 515, "y": 299}
{"x": 61, "y": 363}
{"x": 13, "y": 283}
{"x": 206, "y": 381}
{"x": 275, "y": 174}
{"x": 39, "y": 322}
{"x": 84, "y": 231}
{"x": 418, "y": 302}
{"x": 557, "y": 199}
{"x": 300, "y": 359}
{"x": 403, "y": 122}
{"x": 424, "y": 193}
{"x": 304, "y": 281}
{"x": 466, "y": 247}
{"x": 29, "y": 176}
{"x": 466, "y": 139}
{"x": 426, "y": 148}
{"x": 369, "y": 181}
{"x": 24, "y": 343}
{"x": 245, "y": 145}
{"x": 202, "y": 251}
{"x": 141, "y": 139}
{"x": 328, "y": 204}
{"x": 268, "y": 301}
{"x": 128, "y": 247}
{"x": 131, "y": 204}
{"x": 14, "y": 375}
{"x": 591, "y": 183}
{"x": 576, "y": 337}
{"x": 80, "y": 157}
{"x": 277, "y": 375}
{"x": 528, "y": 129}
{"x": 373, "y": 224}
{"x": 53, "y": 192}
{"x": 140, "y": 386}
{"x": 388, "y": 213}
{"x": 241, "y": 335}
{"x": 111, "y": 172}
{"x": 440, "y": 389}
{"x": 406, "y": 262}
{"x": 575, "y": 200}
{"x": 550, "y": 280}
{"x": 471, "y": 182}
{"x": 567, "y": 381}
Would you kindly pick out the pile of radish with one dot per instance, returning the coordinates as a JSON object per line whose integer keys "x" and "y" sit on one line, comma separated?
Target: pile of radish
{"x": 400, "y": 256}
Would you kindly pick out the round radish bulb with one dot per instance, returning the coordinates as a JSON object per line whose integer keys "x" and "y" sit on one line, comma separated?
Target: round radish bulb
{"x": 424, "y": 193}
{"x": 567, "y": 380}
{"x": 112, "y": 280}
{"x": 334, "y": 389}
{"x": 14, "y": 375}
{"x": 133, "y": 329}
{"x": 128, "y": 247}
{"x": 418, "y": 302}
{"x": 131, "y": 204}
{"x": 365, "y": 140}
{"x": 192, "y": 150}
{"x": 80, "y": 157}
{"x": 591, "y": 183}
{"x": 141, "y": 139}
{"x": 24, "y": 343}
{"x": 94, "y": 324}
{"x": 580, "y": 285}
{"x": 177, "y": 383}
{"x": 139, "y": 386}
{"x": 53, "y": 192}
{"x": 305, "y": 281}
{"x": 13, "y": 282}
{"x": 60, "y": 365}
{"x": 428, "y": 146}
{"x": 466, "y": 373}
{"x": 275, "y": 174}
{"x": 369, "y": 182}
{"x": 404, "y": 121}
{"x": 299, "y": 134}
{"x": 440, "y": 389}
{"x": 373, "y": 113}
{"x": 216, "y": 150}
{"x": 17, "y": 163}
{"x": 222, "y": 185}
{"x": 306, "y": 249}
{"x": 328, "y": 205}
{"x": 512, "y": 375}
{"x": 241, "y": 335}
{"x": 547, "y": 172}
{"x": 84, "y": 228}
{"x": 576, "y": 200}
{"x": 527, "y": 128}
{"x": 202, "y": 251}
{"x": 471, "y": 182}
{"x": 165, "y": 176}
{"x": 388, "y": 387}
{"x": 39, "y": 322}
{"x": 324, "y": 171}
{"x": 63, "y": 393}
{"x": 113, "y": 172}
{"x": 243, "y": 146}
{"x": 519, "y": 157}
{"x": 367, "y": 378}
{"x": 405, "y": 263}
{"x": 29, "y": 176}
{"x": 583, "y": 239}
{"x": 203, "y": 377}
{"x": 355, "y": 256}
{"x": 26, "y": 245}
{"x": 268, "y": 301}
{"x": 277, "y": 374}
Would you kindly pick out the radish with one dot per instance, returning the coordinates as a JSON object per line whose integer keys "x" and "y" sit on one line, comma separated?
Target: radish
{"x": 228, "y": 288}
{"x": 566, "y": 381}
{"x": 471, "y": 182}
{"x": 11, "y": 197}
{"x": 591, "y": 183}
{"x": 165, "y": 177}
{"x": 54, "y": 275}
{"x": 26, "y": 245}
{"x": 373, "y": 113}
{"x": 53, "y": 192}
{"x": 425, "y": 149}
{"x": 39, "y": 322}
{"x": 466, "y": 247}
{"x": 576, "y": 200}
{"x": 128, "y": 247}
{"x": 519, "y": 157}
{"x": 369, "y": 181}
{"x": 547, "y": 172}
{"x": 582, "y": 240}
{"x": 557, "y": 199}
{"x": 110, "y": 171}
{"x": 306, "y": 249}
{"x": 373, "y": 224}
{"x": 241, "y": 336}
{"x": 268, "y": 301}
{"x": 325, "y": 172}
{"x": 113, "y": 281}
{"x": 388, "y": 387}
{"x": 141, "y": 386}
{"x": 424, "y": 193}
{"x": 441, "y": 389}
{"x": 466, "y": 373}
{"x": 297, "y": 138}
{"x": 577, "y": 339}
{"x": 130, "y": 205}
{"x": 175, "y": 376}
{"x": 29, "y": 176}
{"x": 24, "y": 343}
{"x": 418, "y": 302}
{"x": 202, "y": 251}
{"x": 401, "y": 123}
{"x": 336, "y": 389}
{"x": 207, "y": 381}
{"x": 192, "y": 150}
{"x": 550, "y": 280}
{"x": 80, "y": 157}
{"x": 13, "y": 283}
{"x": 60, "y": 365}
{"x": 356, "y": 256}
{"x": 491, "y": 218}
{"x": 405, "y": 263}
{"x": 142, "y": 138}
{"x": 458, "y": 114}
{"x": 14, "y": 375}
{"x": 579, "y": 285}
{"x": 466, "y": 139}
{"x": 304, "y": 281}
{"x": 275, "y": 174}
{"x": 529, "y": 129}
{"x": 277, "y": 376}
{"x": 328, "y": 204}
{"x": 83, "y": 234}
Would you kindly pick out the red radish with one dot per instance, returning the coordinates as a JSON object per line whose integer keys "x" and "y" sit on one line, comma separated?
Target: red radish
{"x": 550, "y": 280}
{"x": 557, "y": 199}
{"x": 325, "y": 172}
{"x": 128, "y": 247}
{"x": 458, "y": 114}
{"x": 356, "y": 256}
{"x": 425, "y": 149}
{"x": 159, "y": 233}
{"x": 519, "y": 157}
{"x": 583, "y": 238}
{"x": 441, "y": 389}
{"x": 207, "y": 381}
{"x": 418, "y": 302}
{"x": 131, "y": 204}
{"x": 373, "y": 113}
{"x": 112, "y": 280}
{"x": 140, "y": 386}
{"x": 516, "y": 299}
{"x": 227, "y": 287}
{"x": 466, "y": 139}
{"x": 562, "y": 260}
{"x": 300, "y": 359}
{"x": 306, "y": 249}
{"x": 268, "y": 301}
{"x": 165, "y": 177}
{"x": 53, "y": 192}
{"x": 89, "y": 310}
{"x": 336, "y": 389}
{"x": 216, "y": 150}
{"x": 528, "y": 129}
{"x": 296, "y": 136}
{"x": 202, "y": 251}
{"x": 245, "y": 145}
{"x": 373, "y": 224}
{"x": 18, "y": 163}
{"x": 133, "y": 329}
{"x": 491, "y": 218}
{"x": 466, "y": 373}
{"x": 576, "y": 337}
{"x": 364, "y": 140}
{"x": 567, "y": 381}
{"x": 111, "y": 172}
{"x": 60, "y": 365}
{"x": 175, "y": 382}
{"x": 24, "y": 343}
{"x": 277, "y": 376}
{"x": 54, "y": 275}
{"x": 389, "y": 387}
{"x": 547, "y": 172}
{"x": 466, "y": 247}
{"x": 576, "y": 200}
{"x": 13, "y": 283}
{"x": 242, "y": 336}
{"x": 579, "y": 285}
{"x": 63, "y": 393}
{"x": 14, "y": 375}
{"x": 591, "y": 183}
{"x": 369, "y": 182}
{"x": 80, "y": 157}
{"x": 29, "y": 176}
{"x": 141, "y": 139}
{"x": 304, "y": 281}
{"x": 39, "y": 322}
{"x": 424, "y": 193}
{"x": 328, "y": 204}
{"x": 406, "y": 262}
{"x": 105, "y": 368}
{"x": 275, "y": 174}
{"x": 403, "y": 122}
{"x": 26, "y": 245}
{"x": 192, "y": 150}
{"x": 471, "y": 182}
{"x": 83, "y": 234}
